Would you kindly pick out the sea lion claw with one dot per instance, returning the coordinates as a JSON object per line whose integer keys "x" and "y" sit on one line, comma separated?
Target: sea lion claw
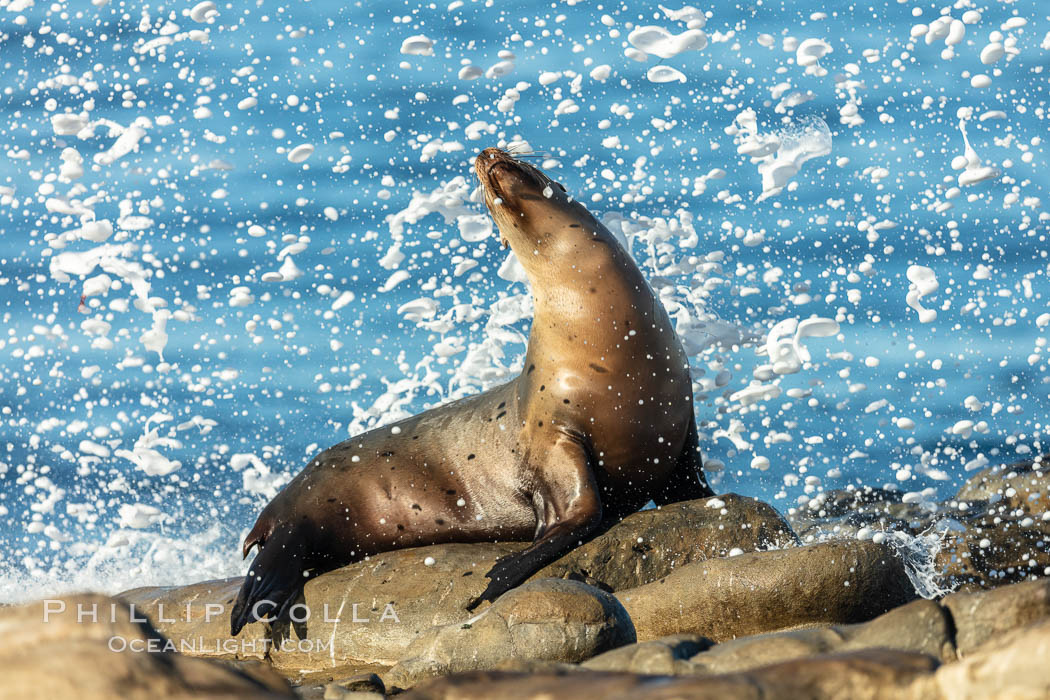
{"x": 505, "y": 574}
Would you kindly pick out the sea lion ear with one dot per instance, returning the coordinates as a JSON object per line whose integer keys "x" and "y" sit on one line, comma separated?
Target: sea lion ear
{"x": 562, "y": 187}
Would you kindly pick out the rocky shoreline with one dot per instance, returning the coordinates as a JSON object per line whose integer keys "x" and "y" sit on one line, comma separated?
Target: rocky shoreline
{"x": 720, "y": 597}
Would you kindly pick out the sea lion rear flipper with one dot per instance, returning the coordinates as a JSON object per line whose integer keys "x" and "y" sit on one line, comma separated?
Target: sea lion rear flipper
{"x": 686, "y": 482}
{"x": 272, "y": 583}
{"x": 568, "y": 512}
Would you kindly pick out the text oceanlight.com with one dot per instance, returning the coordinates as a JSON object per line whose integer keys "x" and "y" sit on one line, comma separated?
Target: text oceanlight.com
{"x": 203, "y": 646}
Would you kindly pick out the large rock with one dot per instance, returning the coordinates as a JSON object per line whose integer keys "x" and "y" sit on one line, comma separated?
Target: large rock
{"x": 921, "y": 626}
{"x": 983, "y": 616}
{"x": 376, "y": 608}
{"x": 1012, "y": 667}
{"x": 358, "y": 618}
{"x": 201, "y": 611}
{"x": 1024, "y": 485}
{"x": 868, "y": 675}
{"x": 1003, "y": 510}
{"x": 833, "y": 582}
{"x": 366, "y": 615}
{"x": 997, "y": 545}
{"x": 760, "y": 650}
{"x": 653, "y": 543}
{"x": 546, "y": 620}
{"x": 93, "y": 646}
{"x": 667, "y": 656}
{"x": 842, "y": 512}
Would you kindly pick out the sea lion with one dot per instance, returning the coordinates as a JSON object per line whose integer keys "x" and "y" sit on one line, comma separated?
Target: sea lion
{"x": 599, "y": 422}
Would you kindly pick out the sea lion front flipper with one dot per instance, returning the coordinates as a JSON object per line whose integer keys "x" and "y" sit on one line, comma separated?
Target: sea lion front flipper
{"x": 686, "y": 482}
{"x": 272, "y": 583}
{"x": 568, "y": 511}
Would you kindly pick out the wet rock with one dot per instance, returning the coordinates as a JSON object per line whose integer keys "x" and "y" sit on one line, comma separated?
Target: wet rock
{"x": 365, "y": 682}
{"x": 1024, "y": 485}
{"x": 1012, "y": 666}
{"x": 92, "y": 646}
{"x": 844, "y": 512}
{"x": 363, "y": 686}
{"x": 857, "y": 505}
{"x": 336, "y": 692}
{"x": 363, "y": 617}
{"x": 370, "y": 612}
{"x": 873, "y": 675}
{"x": 921, "y": 626}
{"x": 831, "y": 582}
{"x": 994, "y": 546}
{"x": 892, "y": 516}
{"x": 983, "y": 616}
{"x": 359, "y": 618}
{"x": 536, "y": 666}
{"x": 761, "y": 650}
{"x": 546, "y": 620}
{"x": 665, "y": 656}
{"x": 1003, "y": 533}
{"x": 652, "y": 543}
{"x": 198, "y": 617}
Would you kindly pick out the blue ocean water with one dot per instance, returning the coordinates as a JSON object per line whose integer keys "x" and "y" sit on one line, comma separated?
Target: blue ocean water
{"x": 265, "y": 379}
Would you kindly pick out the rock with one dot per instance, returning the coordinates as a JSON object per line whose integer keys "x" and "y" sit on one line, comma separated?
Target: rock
{"x": 335, "y": 692}
{"x": 364, "y": 686}
{"x": 760, "y": 650}
{"x": 47, "y": 652}
{"x": 983, "y": 616}
{"x": 993, "y": 547}
{"x": 853, "y": 499}
{"x": 1013, "y": 666}
{"x": 652, "y": 543}
{"x": 1024, "y": 485}
{"x": 871, "y": 675}
{"x": 921, "y": 626}
{"x": 546, "y": 620}
{"x": 200, "y": 611}
{"x": 844, "y": 512}
{"x": 359, "y": 618}
{"x": 665, "y": 656}
{"x": 1001, "y": 527}
{"x": 832, "y": 582}
{"x": 365, "y": 682}
{"x": 430, "y": 586}
{"x": 876, "y": 674}
{"x": 536, "y": 666}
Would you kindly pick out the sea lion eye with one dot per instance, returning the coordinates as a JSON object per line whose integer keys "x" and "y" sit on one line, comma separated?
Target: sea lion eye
{"x": 562, "y": 187}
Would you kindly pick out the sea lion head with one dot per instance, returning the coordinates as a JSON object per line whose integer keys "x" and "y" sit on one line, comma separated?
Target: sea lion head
{"x": 533, "y": 212}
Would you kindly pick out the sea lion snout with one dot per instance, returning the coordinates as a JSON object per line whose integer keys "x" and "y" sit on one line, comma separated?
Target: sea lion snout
{"x": 510, "y": 181}
{"x": 503, "y": 176}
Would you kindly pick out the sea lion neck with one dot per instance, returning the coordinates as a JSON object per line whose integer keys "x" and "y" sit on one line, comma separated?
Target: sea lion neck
{"x": 593, "y": 295}
{"x": 555, "y": 238}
